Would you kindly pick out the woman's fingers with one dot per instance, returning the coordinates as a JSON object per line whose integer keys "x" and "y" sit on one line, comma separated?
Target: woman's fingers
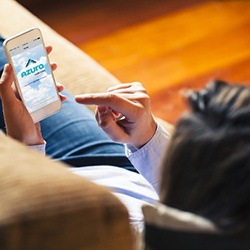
{"x": 114, "y": 101}
{"x": 107, "y": 121}
{"x": 53, "y": 66}
{"x": 129, "y": 88}
{"x": 49, "y": 49}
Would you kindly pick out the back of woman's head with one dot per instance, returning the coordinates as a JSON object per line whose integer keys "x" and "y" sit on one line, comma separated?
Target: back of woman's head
{"x": 207, "y": 166}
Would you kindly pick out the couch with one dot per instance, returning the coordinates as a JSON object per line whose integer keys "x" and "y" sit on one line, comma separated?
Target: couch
{"x": 43, "y": 205}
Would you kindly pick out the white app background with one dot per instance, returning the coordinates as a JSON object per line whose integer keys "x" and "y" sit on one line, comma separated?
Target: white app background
{"x": 37, "y": 88}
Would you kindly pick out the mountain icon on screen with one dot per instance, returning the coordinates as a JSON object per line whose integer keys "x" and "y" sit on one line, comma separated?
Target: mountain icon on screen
{"x": 30, "y": 61}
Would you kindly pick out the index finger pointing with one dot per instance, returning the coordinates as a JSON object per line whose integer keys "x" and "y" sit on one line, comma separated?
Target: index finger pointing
{"x": 116, "y": 102}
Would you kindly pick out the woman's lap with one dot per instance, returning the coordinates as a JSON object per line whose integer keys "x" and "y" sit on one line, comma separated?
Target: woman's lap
{"x": 73, "y": 136}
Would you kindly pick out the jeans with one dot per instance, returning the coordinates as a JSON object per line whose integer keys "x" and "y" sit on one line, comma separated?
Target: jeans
{"x": 73, "y": 136}
{"x": 3, "y": 60}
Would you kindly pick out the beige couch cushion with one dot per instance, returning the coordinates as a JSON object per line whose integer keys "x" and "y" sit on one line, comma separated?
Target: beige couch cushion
{"x": 44, "y": 206}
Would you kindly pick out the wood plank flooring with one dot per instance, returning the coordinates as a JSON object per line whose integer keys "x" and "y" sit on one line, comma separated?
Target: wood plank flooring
{"x": 166, "y": 46}
{"x": 83, "y": 20}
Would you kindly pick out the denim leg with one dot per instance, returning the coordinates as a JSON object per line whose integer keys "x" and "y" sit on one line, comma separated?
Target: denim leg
{"x": 2, "y": 124}
{"x": 73, "y": 136}
{"x": 74, "y": 129}
{"x": 3, "y": 61}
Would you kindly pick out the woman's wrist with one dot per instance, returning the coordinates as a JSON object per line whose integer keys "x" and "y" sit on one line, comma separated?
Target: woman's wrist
{"x": 145, "y": 136}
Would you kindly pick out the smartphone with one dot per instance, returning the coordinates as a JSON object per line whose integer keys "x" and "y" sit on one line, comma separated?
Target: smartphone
{"x": 34, "y": 78}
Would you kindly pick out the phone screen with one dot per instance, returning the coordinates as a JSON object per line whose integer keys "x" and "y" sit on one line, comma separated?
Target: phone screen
{"x": 34, "y": 75}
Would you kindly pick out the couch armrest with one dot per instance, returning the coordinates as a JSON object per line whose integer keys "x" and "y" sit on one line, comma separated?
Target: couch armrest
{"x": 45, "y": 206}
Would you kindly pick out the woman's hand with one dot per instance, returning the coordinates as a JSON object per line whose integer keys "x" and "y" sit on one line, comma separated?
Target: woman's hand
{"x": 123, "y": 113}
{"x": 19, "y": 124}
{"x": 18, "y": 121}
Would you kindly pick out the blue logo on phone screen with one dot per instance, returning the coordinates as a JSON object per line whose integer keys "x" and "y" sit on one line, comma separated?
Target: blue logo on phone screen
{"x": 32, "y": 67}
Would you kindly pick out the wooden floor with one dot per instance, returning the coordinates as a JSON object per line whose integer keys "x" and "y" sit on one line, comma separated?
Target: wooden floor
{"x": 167, "y": 45}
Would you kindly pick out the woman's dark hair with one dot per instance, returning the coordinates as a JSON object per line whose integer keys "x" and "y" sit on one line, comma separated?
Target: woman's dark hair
{"x": 207, "y": 166}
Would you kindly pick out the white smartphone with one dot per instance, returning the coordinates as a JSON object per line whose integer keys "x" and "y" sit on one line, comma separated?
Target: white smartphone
{"x": 34, "y": 79}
